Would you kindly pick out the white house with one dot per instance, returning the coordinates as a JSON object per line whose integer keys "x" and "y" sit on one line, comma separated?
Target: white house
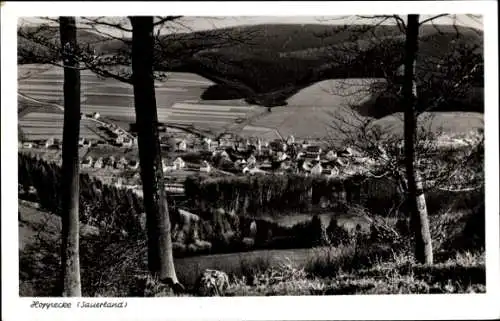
{"x": 317, "y": 169}
{"x": 99, "y": 163}
{"x": 27, "y": 145}
{"x": 179, "y": 163}
{"x": 259, "y": 146}
{"x": 281, "y": 156}
{"x": 87, "y": 162}
{"x": 331, "y": 155}
{"x": 251, "y": 160}
{"x": 347, "y": 152}
{"x": 83, "y": 142}
{"x": 182, "y": 146}
{"x": 307, "y": 165}
{"x": 253, "y": 170}
{"x": 111, "y": 161}
{"x": 133, "y": 164}
{"x": 124, "y": 140}
{"x": 331, "y": 172}
{"x": 127, "y": 142}
{"x": 49, "y": 142}
{"x": 122, "y": 163}
{"x": 205, "y": 167}
{"x": 290, "y": 140}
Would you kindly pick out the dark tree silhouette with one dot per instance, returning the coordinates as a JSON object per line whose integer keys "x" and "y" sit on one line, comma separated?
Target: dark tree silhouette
{"x": 70, "y": 260}
{"x": 416, "y": 199}
{"x": 160, "y": 257}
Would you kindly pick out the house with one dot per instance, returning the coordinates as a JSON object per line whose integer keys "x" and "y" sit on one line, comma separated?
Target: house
{"x": 241, "y": 147}
{"x": 110, "y": 162}
{"x": 122, "y": 163}
{"x": 266, "y": 165}
{"x": 307, "y": 165}
{"x": 87, "y": 162}
{"x": 127, "y": 142}
{"x": 240, "y": 163}
{"x": 281, "y": 156}
{"x": 286, "y": 165}
{"x": 83, "y": 142}
{"x": 179, "y": 163}
{"x": 312, "y": 151}
{"x": 251, "y": 160}
{"x": 49, "y": 142}
{"x": 330, "y": 171}
{"x": 258, "y": 146}
{"x": 265, "y": 151}
{"x": 209, "y": 144}
{"x": 205, "y": 167}
{"x": 224, "y": 154}
{"x": 133, "y": 164}
{"x": 317, "y": 169}
{"x": 347, "y": 152}
{"x": 290, "y": 140}
{"x": 99, "y": 163}
{"x": 181, "y": 146}
{"x": 331, "y": 155}
{"x": 124, "y": 140}
{"x": 227, "y": 143}
{"x": 278, "y": 146}
{"x": 253, "y": 170}
{"x": 27, "y": 145}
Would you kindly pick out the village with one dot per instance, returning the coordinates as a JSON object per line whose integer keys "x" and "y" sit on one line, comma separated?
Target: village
{"x": 187, "y": 154}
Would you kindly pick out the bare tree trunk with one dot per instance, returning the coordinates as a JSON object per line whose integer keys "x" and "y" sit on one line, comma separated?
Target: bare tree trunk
{"x": 416, "y": 197}
{"x": 160, "y": 257}
{"x": 70, "y": 259}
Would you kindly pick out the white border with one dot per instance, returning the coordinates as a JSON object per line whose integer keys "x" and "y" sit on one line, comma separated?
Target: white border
{"x": 268, "y": 308}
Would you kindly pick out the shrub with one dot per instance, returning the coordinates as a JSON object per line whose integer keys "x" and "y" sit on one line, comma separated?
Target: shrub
{"x": 337, "y": 235}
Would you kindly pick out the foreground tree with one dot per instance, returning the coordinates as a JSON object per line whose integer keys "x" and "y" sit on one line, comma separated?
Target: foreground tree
{"x": 70, "y": 260}
{"x": 160, "y": 256}
{"x": 417, "y": 207}
{"x": 410, "y": 160}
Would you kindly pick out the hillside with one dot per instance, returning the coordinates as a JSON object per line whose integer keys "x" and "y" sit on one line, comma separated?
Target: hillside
{"x": 269, "y": 63}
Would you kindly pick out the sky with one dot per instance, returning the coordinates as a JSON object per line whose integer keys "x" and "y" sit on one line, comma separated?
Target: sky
{"x": 196, "y": 23}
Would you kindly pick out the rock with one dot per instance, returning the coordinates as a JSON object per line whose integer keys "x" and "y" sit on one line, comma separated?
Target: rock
{"x": 248, "y": 242}
{"x": 203, "y": 245}
{"x": 178, "y": 247}
{"x": 192, "y": 248}
{"x": 253, "y": 229}
{"x": 147, "y": 286}
{"x": 142, "y": 221}
{"x": 212, "y": 283}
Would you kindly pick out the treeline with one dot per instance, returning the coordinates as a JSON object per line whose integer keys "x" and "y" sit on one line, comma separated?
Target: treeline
{"x": 106, "y": 206}
{"x": 116, "y": 210}
{"x": 278, "y": 195}
{"x": 281, "y": 194}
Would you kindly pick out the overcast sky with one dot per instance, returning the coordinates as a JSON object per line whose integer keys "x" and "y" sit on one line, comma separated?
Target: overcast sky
{"x": 187, "y": 24}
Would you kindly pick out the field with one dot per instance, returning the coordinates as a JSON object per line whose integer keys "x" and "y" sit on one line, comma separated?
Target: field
{"x": 177, "y": 101}
{"x": 311, "y": 113}
{"x": 41, "y": 126}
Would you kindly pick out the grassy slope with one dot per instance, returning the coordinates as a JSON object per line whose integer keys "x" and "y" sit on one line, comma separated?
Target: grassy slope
{"x": 250, "y": 64}
{"x": 376, "y": 269}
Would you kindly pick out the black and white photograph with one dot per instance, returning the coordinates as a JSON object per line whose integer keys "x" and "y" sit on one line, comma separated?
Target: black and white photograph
{"x": 264, "y": 155}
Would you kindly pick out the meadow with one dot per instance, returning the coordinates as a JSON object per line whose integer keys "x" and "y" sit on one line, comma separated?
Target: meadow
{"x": 177, "y": 100}
{"x": 314, "y": 112}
